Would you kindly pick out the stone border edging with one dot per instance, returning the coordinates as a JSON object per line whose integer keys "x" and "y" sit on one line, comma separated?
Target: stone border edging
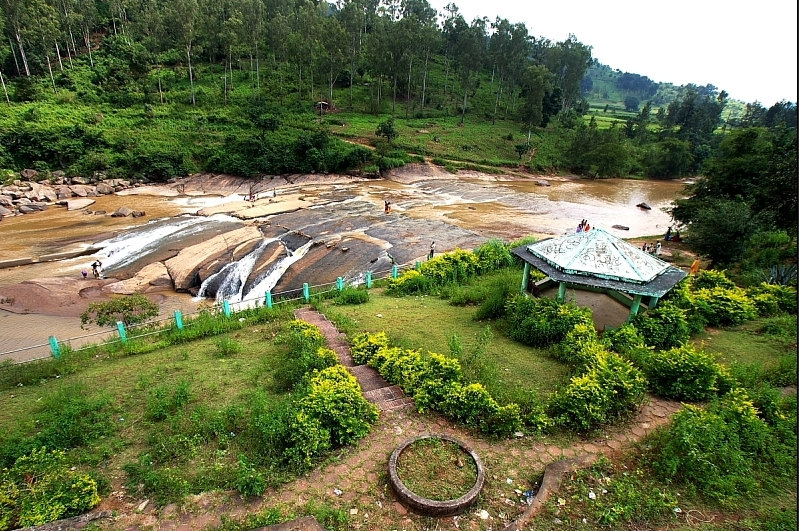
{"x": 426, "y": 506}
{"x": 553, "y": 476}
{"x": 73, "y": 522}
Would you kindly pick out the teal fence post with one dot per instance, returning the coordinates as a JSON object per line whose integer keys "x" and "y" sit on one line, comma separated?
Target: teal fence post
{"x": 122, "y": 334}
{"x": 394, "y": 272}
{"x": 417, "y": 266}
{"x": 178, "y": 319}
{"x": 368, "y": 279}
{"x": 268, "y": 299}
{"x": 226, "y": 307}
{"x": 340, "y": 283}
{"x": 306, "y": 292}
{"x": 54, "y": 347}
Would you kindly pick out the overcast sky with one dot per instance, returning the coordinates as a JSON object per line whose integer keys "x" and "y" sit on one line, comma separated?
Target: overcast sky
{"x": 745, "y": 48}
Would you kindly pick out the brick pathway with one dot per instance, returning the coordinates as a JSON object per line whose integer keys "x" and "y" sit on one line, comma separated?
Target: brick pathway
{"x": 376, "y": 390}
{"x": 356, "y": 480}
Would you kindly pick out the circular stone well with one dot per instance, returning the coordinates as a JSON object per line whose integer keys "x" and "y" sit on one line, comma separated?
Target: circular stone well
{"x": 427, "y": 506}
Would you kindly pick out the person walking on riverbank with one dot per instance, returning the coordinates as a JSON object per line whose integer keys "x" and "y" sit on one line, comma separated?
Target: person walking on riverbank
{"x": 432, "y": 251}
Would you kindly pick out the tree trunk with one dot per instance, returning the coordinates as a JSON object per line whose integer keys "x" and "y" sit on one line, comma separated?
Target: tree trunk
{"x": 87, "y": 40}
{"x": 69, "y": 55}
{"x": 50, "y": 69}
{"x": 5, "y": 90}
{"x": 257, "y": 72}
{"x": 191, "y": 76}
{"x": 394, "y": 97}
{"x": 496, "y": 102}
{"x": 160, "y": 92}
{"x": 58, "y": 53}
{"x": 408, "y": 92}
{"x": 463, "y": 111}
{"x": 14, "y": 53}
{"x": 22, "y": 53}
{"x": 74, "y": 48}
{"x": 424, "y": 78}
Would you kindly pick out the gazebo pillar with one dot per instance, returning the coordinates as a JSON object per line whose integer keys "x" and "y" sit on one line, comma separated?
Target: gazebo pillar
{"x": 525, "y": 277}
{"x": 653, "y": 301}
{"x": 634, "y": 307}
{"x": 562, "y": 291}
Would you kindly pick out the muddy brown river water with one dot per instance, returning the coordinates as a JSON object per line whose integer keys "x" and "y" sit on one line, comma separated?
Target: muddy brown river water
{"x": 475, "y": 207}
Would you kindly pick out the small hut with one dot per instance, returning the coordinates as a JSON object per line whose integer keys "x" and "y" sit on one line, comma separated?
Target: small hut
{"x": 598, "y": 261}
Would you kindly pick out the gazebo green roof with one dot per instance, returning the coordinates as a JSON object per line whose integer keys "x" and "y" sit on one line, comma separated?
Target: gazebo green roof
{"x": 598, "y": 259}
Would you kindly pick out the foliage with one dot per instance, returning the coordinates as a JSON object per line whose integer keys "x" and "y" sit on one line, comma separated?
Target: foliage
{"x": 711, "y": 278}
{"x": 365, "y": 346}
{"x": 581, "y": 347}
{"x": 305, "y": 342}
{"x": 609, "y": 389}
{"x": 543, "y": 321}
{"x": 493, "y": 255}
{"x": 718, "y": 450}
{"x": 624, "y": 339}
{"x": 682, "y": 373}
{"x": 724, "y": 306}
{"x": 410, "y": 282}
{"x": 40, "y": 487}
{"x": 332, "y": 414}
{"x": 770, "y": 298}
{"x": 131, "y": 310}
{"x": 387, "y": 130}
{"x": 350, "y": 295}
{"x": 165, "y": 401}
{"x": 664, "y": 326}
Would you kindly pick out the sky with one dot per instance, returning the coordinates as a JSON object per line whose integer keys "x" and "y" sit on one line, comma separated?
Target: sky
{"x": 745, "y": 48}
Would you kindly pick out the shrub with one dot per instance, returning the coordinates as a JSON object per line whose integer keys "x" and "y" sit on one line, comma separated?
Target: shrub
{"x": 714, "y": 450}
{"x": 350, "y": 295}
{"x": 455, "y": 266}
{"x": 41, "y": 487}
{"x": 580, "y": 348}
{"x": 307, "y": 354}
{"x": 624, "y": 339}
{"x": 541, "y": 322}
{"x": 711, "y": 278}
{"x": 475, "y": 407}
{"x": 725, "y": 306}
{"x": 226, "y": 347}
{"x": 625, "y": 384}
{"x": 493, "y": 255}
{"x": 682, "y": 373}
{"x": 365, "y": 346}
{"x": 333, "y": 413}
{"x": 410, "y": 282}
{"x": 131, "y": 309}
{"x": 664, "y": 326}
{"x": 249, "y": 481}
{"x": 783, "y": 296}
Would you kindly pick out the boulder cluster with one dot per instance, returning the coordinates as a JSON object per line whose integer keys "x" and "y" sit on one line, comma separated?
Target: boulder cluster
{"x": 31, "y": 193}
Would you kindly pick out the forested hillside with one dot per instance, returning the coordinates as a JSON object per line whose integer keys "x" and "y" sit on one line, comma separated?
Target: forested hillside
{"x": 155, "y": 89}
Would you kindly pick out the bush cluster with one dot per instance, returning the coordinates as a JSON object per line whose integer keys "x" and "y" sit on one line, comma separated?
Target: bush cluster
{"x": 435, "y": 383}
{"x": 449, "y": 268}
{"x": 41, "y": 487}
{"x": 540, "y": 322}
{"x": 684, "y": 373}
{"x": 308, "y": 353}
{"x": 719, "y": 450}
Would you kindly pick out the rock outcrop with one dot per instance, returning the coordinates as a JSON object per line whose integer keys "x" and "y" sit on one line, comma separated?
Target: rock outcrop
{"x": 184, "y": 268}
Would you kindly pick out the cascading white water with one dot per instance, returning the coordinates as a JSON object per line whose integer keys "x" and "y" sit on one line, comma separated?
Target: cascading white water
{"x": 234, "y": 275}
{"x": 268, "y": 281}
{"x": 132, "y": 245}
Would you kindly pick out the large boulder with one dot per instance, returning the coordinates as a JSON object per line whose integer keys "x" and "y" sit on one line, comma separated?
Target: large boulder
{"x": 122, "y": 212}
{"x": 5, "y": 212}
{"x": 63, "y": 192}
{"x": 184, "y": 267}
{"x": 104, "y": 189}
{"x": 82, "y": 190}
{"x": 80, "y": 180}
{"x": 39, "y": 192}
{"x": 28, "y": 174}
{"x": 154, "y": 277}
{"x": 77, "y": 204}
{"x": 6, "y": 201}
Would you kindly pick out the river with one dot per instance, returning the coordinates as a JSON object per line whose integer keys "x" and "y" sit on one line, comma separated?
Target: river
{"x": 455, "y": 212}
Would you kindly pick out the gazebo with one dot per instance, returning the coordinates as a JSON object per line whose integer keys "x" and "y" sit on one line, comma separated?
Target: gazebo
{"x": 598, "y": 261}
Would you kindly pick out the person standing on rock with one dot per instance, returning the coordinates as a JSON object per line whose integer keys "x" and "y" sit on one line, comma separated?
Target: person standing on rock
{"x": 96, "y": 268}
{"x": 387, "y": 207}
{"x": 432, "y": 251}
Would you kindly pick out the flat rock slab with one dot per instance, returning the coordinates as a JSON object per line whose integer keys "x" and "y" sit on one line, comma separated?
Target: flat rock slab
{"x": 77, "y": 204}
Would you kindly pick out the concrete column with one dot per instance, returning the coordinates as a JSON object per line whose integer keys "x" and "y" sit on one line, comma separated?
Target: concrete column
{"x": 178, "y": 320}
{"x": 54, "y": 347}
{"x": 122, "y": 334}
{"x": 561, "y": 291}
{"x": 634, "y": 308}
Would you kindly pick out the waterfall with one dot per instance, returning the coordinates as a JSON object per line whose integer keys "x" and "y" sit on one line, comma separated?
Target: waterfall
{"x": 268, "y": 281}
{"x": 231, "y": 279}
{"x": 134, "y": 244}
{"x": 233, "y": 276}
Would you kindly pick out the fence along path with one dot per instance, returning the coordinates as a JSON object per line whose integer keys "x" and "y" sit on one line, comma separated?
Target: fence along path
{"x": 376, "y": 390}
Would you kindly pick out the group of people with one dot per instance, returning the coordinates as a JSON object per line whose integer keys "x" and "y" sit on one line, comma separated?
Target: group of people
{"x": 584, "y": 226}
{"x": 672, "y": 236}
{"x": 652, "y": 248}
{"x": 97, "y": 270}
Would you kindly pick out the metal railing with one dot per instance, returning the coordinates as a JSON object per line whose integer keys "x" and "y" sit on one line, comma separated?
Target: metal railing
{"x": 267, "y": 300}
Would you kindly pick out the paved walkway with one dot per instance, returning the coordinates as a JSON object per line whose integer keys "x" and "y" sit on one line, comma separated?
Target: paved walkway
{"x": 356, "y": 480}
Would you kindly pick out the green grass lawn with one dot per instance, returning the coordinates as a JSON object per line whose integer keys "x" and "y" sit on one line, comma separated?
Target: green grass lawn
{"x": 429, "y": 323}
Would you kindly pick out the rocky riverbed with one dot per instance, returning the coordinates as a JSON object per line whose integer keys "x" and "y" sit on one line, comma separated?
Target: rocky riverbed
{"x": 236, "y": 238}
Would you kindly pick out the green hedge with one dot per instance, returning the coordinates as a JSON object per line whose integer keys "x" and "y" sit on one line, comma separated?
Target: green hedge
{"x": 540, "y": 322}
{"x": 683, "y": 373}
